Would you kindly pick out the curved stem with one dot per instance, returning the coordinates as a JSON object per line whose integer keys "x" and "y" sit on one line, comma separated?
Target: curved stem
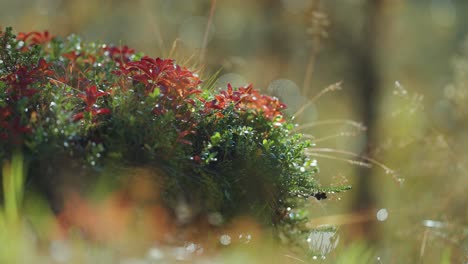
{"x": 349, "y": 153}
{"x": 355, "y": 124}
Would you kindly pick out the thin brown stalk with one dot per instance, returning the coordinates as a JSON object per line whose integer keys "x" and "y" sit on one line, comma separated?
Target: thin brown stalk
{"x": 318, "y": 31}
{"x": 355, "y": 124}
{"x": 350, "y": 161}
{"x": 342, "y": 219}
{"x": 207, "y": 31}
{"x": 173, "y": 48}
{"x": 330, "y": 88}
{"x": 156, "y": 28}
{"x": 309, "y": 70}
{"x": 423, "y": 245}
{"x": 342, "y": 134}
{"x": 308, "y": 136}
{"x": 294, "y": 258}
{"x": 349, "y": 153}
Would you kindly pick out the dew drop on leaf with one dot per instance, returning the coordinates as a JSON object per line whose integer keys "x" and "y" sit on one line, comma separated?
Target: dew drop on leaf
{"x": 225, "y": 240}
{"x": 382, "y": 214}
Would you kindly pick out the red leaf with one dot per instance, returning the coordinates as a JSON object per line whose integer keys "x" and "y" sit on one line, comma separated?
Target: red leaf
{"x": 78, "y": 117}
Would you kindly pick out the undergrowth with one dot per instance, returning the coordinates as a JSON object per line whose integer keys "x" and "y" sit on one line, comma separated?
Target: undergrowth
{"x": 231, "y": 151}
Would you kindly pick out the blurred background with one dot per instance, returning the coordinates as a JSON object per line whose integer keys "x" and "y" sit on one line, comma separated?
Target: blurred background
{"x": 399, "y": 68}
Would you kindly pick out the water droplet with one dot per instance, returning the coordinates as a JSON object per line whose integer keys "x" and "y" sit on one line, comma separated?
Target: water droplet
{"x": 225, "y": 240}
{"x": 93, "y": 163}
{"x": 65, "y": 144}
{"x": 399, "y": 89}
{"x": 245, "y": 238}
{"x": 191, "y": 247}
{"x": 434, "y": 224}
{"x": 401, "y": 181}
{"x": 314, "y": 257}
{"x": 382, "y": 214}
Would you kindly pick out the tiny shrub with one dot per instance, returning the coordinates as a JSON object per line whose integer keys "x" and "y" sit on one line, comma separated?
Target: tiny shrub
{"x": 230, "y": 151}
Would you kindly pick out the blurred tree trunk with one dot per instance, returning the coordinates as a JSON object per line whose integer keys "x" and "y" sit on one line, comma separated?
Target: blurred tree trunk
{"x": 368, "y": 83}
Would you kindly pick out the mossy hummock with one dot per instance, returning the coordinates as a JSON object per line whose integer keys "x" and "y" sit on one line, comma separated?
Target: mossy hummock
{"x": 226, "y": 150}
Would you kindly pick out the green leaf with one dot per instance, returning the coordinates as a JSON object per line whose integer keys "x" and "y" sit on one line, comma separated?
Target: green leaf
{"x": 215, "y": 139}
{"x": 156, "y": 92}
